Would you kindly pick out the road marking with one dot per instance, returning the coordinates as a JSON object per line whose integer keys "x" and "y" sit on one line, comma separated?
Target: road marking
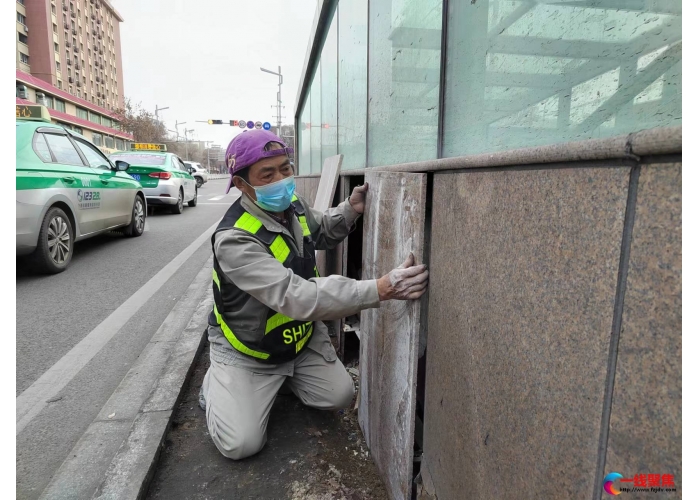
{"x": 33, "y": 400}
{"x": 217, "y": 198}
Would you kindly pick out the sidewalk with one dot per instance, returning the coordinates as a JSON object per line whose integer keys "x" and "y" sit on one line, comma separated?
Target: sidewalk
{"x": 310, "y": 454}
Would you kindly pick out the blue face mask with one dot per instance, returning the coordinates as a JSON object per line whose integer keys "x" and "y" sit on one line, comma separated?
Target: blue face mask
{"x": 275, "y": 197}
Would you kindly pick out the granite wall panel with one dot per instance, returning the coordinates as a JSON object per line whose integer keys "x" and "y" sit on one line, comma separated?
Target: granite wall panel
{"x": 524, "y": 268}
{"x": 394, "y": 225}
{"x": 645, "y": 421}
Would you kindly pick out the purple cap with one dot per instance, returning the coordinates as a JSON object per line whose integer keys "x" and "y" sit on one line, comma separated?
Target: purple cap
{"x": 248, "y": 148}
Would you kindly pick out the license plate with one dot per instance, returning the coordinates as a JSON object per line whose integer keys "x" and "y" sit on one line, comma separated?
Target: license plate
{"x": 136, "y": 176}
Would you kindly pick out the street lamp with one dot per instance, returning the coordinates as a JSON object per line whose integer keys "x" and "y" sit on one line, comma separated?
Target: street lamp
{"x": 160, "y": 109}
{"x": 177, "y": 133}
{"x": 187, "y": 151}
{"x": 279, "y": 96}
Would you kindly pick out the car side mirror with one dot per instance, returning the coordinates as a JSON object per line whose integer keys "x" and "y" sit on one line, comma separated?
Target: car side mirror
{"x": 121, "y": 165}
{"x": 190, "y": 170}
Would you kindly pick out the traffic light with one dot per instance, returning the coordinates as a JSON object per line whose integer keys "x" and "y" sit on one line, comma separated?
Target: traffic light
{"x": 233, "y": 123}
{"x": 216, "y": 122}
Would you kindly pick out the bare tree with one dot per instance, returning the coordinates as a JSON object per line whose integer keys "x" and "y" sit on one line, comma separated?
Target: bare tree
{"x": 140, "y": 123}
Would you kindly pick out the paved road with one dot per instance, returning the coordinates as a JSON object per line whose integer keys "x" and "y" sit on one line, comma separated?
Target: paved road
{"x": 55, "y": 313}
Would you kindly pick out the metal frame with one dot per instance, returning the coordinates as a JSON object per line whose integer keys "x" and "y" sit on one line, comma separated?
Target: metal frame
{"x": 443, "y": 73}
{"x": 313, "y": 54}
{"x": 369, "y": 3}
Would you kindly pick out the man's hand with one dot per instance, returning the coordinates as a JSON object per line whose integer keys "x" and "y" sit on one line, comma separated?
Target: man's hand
{"x": 406, "y": 282}
{"x": 357, "y": 198}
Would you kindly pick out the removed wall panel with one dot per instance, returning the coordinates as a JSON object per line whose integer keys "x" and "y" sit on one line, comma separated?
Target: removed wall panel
{"x": 324, "y": 201}
{"x": 524, "y": 268}
{"x": 393, "y": 228}
{"x": 645, "y": 422}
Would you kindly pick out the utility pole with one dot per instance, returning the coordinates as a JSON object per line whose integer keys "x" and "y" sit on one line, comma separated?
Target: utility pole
{"x": 187, "y": 151}
{"x": 279, "y": 96}
{"x": 177, "y": 133}
{"x": 160, "y": 109}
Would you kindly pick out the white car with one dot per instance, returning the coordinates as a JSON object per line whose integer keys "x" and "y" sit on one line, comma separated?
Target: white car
{"x": 200, "y": 174}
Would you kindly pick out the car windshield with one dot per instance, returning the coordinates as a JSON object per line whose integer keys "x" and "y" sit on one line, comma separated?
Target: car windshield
{"x": 137, "y": 159}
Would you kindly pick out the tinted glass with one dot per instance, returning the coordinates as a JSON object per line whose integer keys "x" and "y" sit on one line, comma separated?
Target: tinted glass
{"x": 41, "y": 148}
{"x": 304, "y": 129}
{"x": 63, "y": 149}
{"x": 404, "y": 77}
{"x": 93, "y": 156}
{"x": 521, "y": 73}
{"x": 140, "y": 159}
{"x": 315, "y": 97}
{"x": 352, "y": 82}
{"x": 329, "y": 92}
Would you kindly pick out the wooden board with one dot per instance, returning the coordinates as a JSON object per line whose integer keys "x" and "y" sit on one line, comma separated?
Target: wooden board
{"x": 394, "y": 226}
{"x": 329, "y": 180}
{"x": 324, "y": 200}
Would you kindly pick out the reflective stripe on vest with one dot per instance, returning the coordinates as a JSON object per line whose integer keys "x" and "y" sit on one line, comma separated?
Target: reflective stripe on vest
{"x": 300, "y": 345}
{"x": 231, "y": 337}
{"x": 278, "y": 319}
{"x": 248, "y": 223}
{"x": 304, "y": 225}
{"x": 280, "y": 249}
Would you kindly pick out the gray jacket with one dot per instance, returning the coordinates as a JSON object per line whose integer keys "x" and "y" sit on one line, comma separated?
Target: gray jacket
{"x": 249, "y": 265}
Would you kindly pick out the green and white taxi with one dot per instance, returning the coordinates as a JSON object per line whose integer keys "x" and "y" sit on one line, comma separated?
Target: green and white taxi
{"x": 164, "y": 176}
{"x": 67, "y": 190}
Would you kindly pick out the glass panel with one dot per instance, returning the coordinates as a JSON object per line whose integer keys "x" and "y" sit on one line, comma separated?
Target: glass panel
{"x": 316, "y": 121}
{"x": 304, "y": 129}
{"x": 352, "y": 83}
{"x": 522, "y": 74}
{"x": 81, "y": 113}
{"x": 97, "y": 139}
{"x": 404, "y": 76}
{"x": 329, "y": 92}
{"x": 63, "y": 149}
{"x": 60, "y": 105}
{"x": 92, "y": 156}
{"x": 41, "y": 148}
{"x": 139, "y": 159}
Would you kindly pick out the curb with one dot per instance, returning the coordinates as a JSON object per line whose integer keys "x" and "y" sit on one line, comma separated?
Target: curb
{"x": 129, "y": 475}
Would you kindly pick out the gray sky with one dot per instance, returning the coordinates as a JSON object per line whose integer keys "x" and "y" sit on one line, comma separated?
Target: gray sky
{"x": 202, "y": 59}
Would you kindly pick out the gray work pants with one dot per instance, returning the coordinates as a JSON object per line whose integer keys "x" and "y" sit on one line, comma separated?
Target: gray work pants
{"x": 239, "y": 396}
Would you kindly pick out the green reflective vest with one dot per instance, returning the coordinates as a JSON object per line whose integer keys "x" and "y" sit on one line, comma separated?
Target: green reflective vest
{"x": 281, "y": 338}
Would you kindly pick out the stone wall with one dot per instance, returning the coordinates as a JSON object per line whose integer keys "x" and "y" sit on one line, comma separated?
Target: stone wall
{"x": 553, "y": 319}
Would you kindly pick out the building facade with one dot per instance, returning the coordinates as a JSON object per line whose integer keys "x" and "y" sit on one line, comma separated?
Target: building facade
{"x": 69, "y": 59}
{"x": 397, "y": 81}
{"x": 530, "y": 153}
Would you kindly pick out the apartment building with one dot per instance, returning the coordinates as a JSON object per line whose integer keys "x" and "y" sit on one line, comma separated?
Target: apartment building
{"x": 69, "y": 59}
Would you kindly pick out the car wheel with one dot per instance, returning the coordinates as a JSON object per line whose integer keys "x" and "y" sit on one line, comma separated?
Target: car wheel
{"x": 138, "y": 219}
{"x": 177, "y": 209}
{"x": 193, "y": 201}
{"x": 54, "y": 249}
{"x": 200, "y": 181}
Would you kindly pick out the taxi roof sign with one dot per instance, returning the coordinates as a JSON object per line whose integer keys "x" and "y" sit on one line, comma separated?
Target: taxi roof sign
{"x": 144, "y": 146}
{"x": 34, "y": 112}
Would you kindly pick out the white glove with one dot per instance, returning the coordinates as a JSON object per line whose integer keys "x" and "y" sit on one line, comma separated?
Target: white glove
{"x": 406, "y": 282}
